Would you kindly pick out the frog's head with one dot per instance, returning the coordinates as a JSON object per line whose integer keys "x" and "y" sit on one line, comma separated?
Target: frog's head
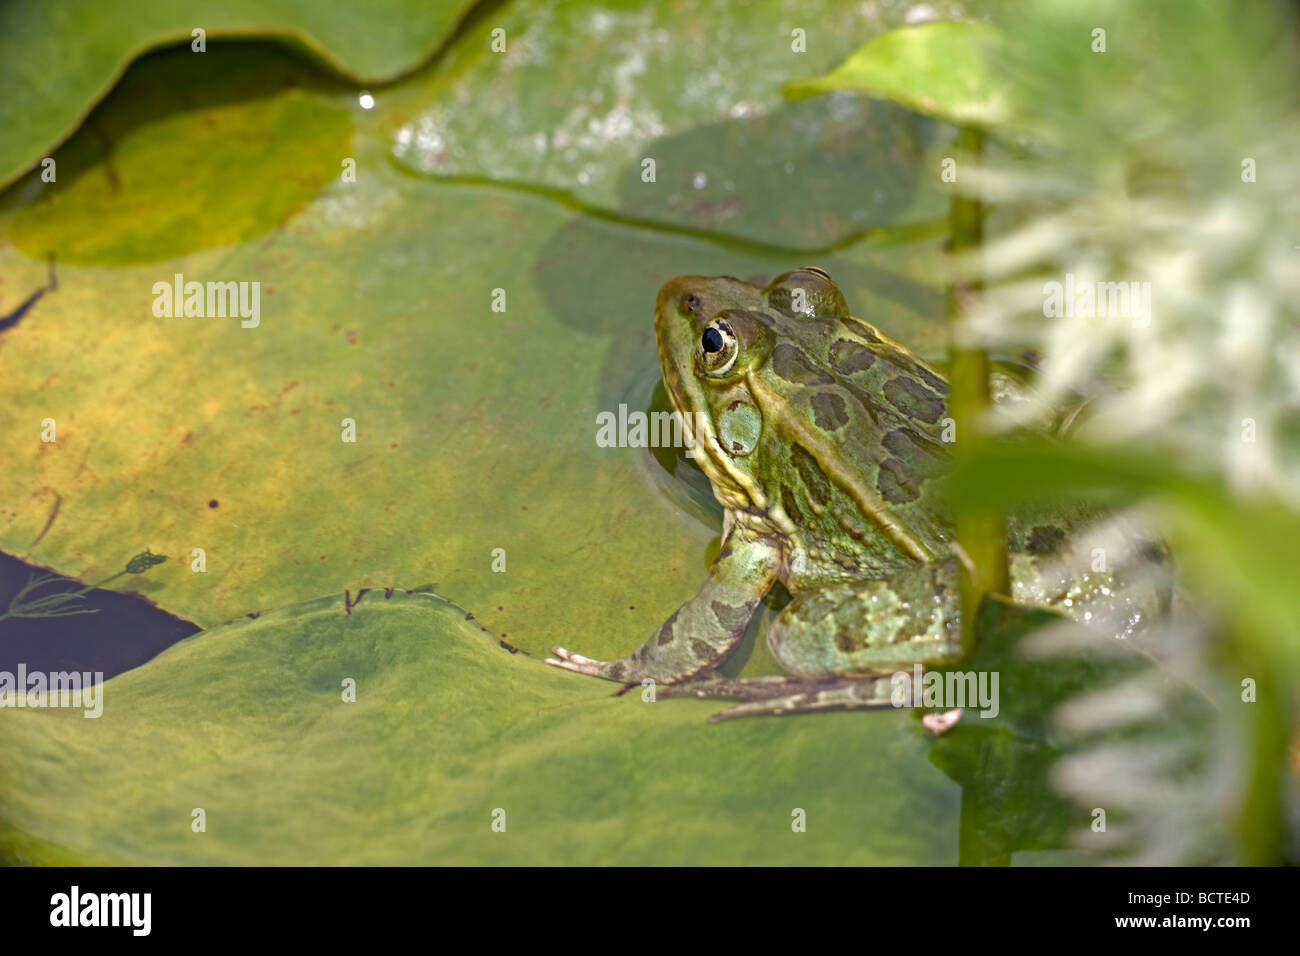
{"x": 810, "y": 423}
{"x": 731, "y": 354}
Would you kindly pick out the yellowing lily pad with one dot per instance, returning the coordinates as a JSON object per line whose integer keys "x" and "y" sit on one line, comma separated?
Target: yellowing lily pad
{"x": 141, "y": 179}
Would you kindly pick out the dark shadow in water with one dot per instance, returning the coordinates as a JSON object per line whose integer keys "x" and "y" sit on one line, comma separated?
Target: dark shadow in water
{"x": 811, "y": 174}
{"x": 125, "y": 632}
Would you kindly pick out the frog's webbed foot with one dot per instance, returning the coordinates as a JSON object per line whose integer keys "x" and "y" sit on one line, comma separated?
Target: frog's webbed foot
{"x": 785, "y": 695}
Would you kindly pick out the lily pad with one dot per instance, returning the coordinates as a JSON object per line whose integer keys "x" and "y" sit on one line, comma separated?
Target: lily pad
{"x": 448, "y": 732}
{"x": 623, "y": 110}
{"x": 58, "y": 59}
{"x": 139, "y": 182}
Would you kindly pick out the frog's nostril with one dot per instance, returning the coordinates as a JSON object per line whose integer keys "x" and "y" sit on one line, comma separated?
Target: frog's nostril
{"x": 691, "y": 302}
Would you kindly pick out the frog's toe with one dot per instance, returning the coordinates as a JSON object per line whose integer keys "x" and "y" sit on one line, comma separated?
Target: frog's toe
{"x": 579, "y": 664}
{"x": 567, "y": 656}
{"x": 799, "y": 697}
{"x": 711, "y": 683}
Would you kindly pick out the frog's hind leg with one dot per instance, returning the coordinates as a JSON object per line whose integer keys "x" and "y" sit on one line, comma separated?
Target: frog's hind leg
{"x": 785, "y": 695}
{"x": 871, "y": 627}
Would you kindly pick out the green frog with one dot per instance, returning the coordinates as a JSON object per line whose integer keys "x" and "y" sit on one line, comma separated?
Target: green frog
{"x": 823, "y": 439}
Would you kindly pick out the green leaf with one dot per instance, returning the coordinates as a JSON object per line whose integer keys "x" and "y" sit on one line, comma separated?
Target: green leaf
{"x": 58, "y": 59}
{"x": 1008, "y": 805}
{"x": 248, "y": 722}
{"x": 943, "y": 69}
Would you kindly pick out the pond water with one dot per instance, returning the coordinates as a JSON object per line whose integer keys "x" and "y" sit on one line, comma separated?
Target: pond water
{"x": 124, "y": 632}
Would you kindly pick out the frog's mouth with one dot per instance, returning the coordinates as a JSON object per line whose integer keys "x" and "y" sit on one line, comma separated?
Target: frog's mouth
{"x": 687, "y": 398}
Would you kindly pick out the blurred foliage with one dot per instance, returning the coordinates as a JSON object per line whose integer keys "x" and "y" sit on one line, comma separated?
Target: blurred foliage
{"x": 1236, "y": 554}
{"x": 1133, "y": 147}
{"x": 1163, "y": 152}
{"x": 1238, "y": 558}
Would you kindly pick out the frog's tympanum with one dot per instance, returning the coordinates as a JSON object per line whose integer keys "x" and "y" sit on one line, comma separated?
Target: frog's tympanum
{"x": 822, "y": 439}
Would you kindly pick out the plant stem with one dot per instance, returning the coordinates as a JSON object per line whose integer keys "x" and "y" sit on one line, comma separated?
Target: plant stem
{"x": 1262, "y": 821}
{"x": 980, "y": 533}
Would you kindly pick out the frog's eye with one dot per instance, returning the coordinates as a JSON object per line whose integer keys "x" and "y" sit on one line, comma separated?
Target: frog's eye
{"x": 717, "y": 348}
{"x": 806, "y": 293}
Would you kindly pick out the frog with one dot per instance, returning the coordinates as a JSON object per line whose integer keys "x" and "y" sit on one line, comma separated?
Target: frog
{"x": 825, "y": 442}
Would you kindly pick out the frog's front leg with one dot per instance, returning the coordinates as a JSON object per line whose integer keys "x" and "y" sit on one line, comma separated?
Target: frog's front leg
{"x": 703, "y": 631}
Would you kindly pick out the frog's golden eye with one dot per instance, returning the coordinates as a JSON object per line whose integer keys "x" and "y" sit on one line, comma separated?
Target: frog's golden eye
{"x": 807, "y": 293}
{"x": 717, "y": 348}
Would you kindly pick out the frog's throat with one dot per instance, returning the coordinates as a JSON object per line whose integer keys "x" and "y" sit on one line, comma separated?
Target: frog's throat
{"x": 729, "y": 481}
{"x": 732, "y": 487}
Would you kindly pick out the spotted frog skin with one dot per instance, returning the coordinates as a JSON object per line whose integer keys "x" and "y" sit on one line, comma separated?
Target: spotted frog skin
{"x": 822, "y": 438}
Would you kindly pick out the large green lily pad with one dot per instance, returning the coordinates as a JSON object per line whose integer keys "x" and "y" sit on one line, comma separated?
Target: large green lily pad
{"x": 248, "y": 722}
{"x": 58, "y": 59}
{"x": 475, "y": 429}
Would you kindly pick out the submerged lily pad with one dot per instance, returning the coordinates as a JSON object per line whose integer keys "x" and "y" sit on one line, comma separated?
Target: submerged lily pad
{"x": 448, "y": 733}
{"x": 624, "y": 110}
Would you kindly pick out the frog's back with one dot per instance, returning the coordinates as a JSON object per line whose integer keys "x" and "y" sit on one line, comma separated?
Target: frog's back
{"x": 856, "y": 443}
